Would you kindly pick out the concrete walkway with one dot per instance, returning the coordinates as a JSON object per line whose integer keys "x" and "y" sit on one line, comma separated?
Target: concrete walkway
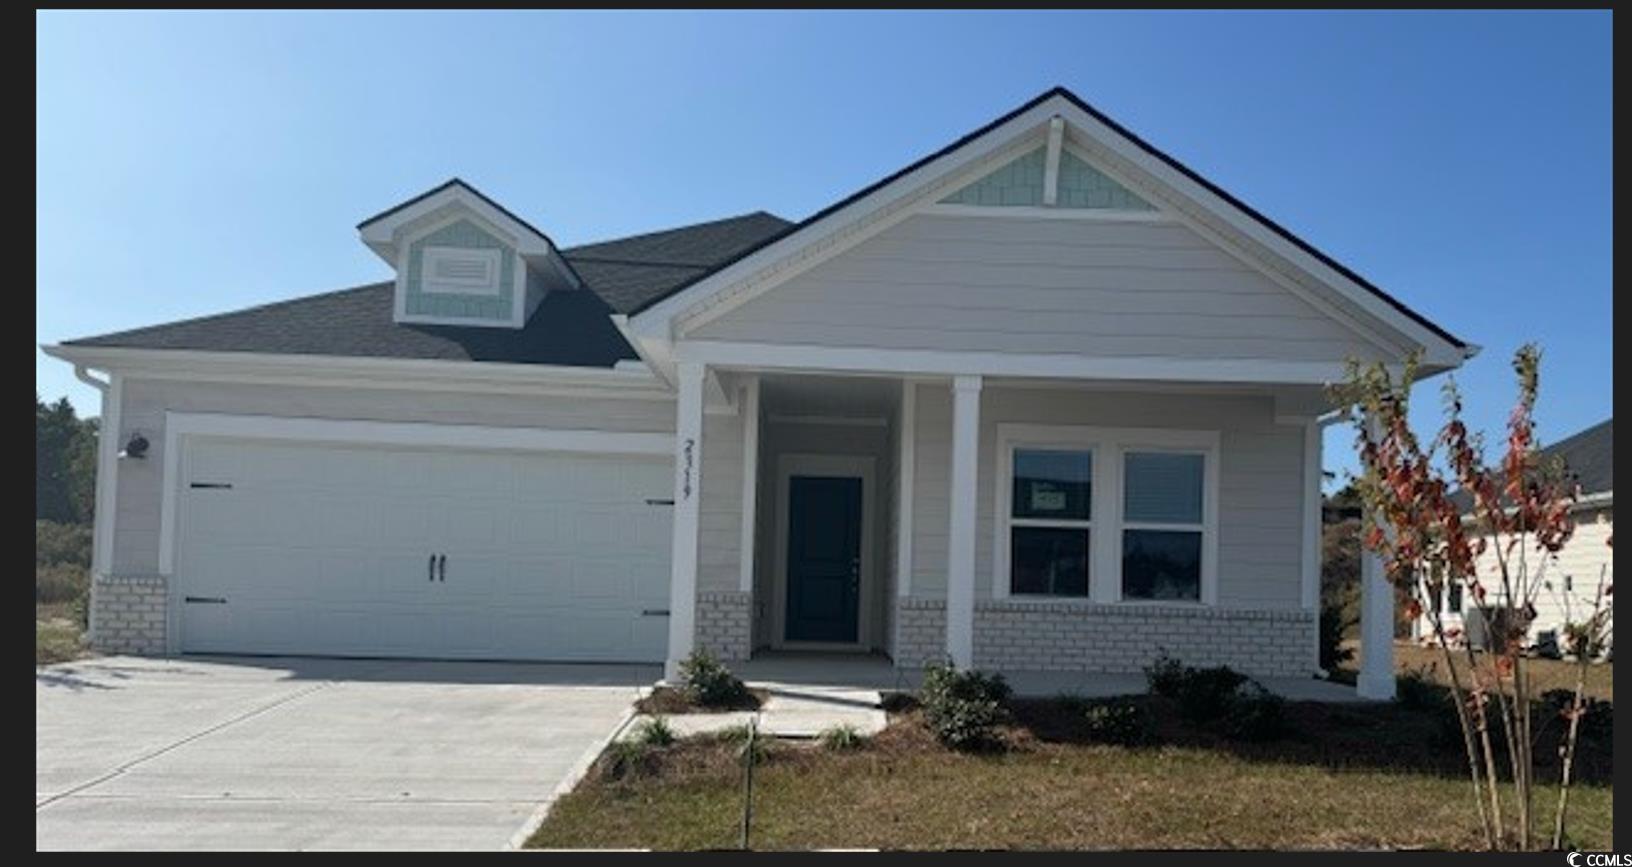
{"x": 258, "y": 753}
{"x": 792, "y": 711}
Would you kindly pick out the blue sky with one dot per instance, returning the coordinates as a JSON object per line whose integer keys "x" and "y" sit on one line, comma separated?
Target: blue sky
{"x": 192, "y": 163}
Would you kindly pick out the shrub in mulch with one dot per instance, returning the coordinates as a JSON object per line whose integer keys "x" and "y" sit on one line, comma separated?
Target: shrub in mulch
{"x": 708, "y": 683}
{"x": 1121, "y": 721}
{"x": 964, "y": 708}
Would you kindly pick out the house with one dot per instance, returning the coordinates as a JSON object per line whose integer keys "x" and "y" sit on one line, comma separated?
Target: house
{"x": 1045, "y": 399}
{"x": 1569, "y": 579}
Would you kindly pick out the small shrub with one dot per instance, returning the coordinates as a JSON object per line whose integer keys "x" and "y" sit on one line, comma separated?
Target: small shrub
{"x": 1255, "y": 714}
{"x": 654, "y": 732}
{"x": 1414, "y": 690}
{"x": 1205, "y": 694}
{"x": 626, "y": 759}
{"x": 709, "y": 683}
{"x": 1165, "y": 675}
{"x": 841, "y": 738}
{"x": 1119, "y": 722}
{"x": 964, "y": 708}
{"x": 56, "y": 583}
{"x": 55, "y": 542}
{"x": 1333, "y": 623}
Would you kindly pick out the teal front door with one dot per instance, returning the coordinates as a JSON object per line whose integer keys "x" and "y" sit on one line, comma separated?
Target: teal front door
{"x": 824, "y": 558}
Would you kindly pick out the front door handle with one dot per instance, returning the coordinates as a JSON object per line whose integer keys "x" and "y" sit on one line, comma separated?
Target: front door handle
{"x": 442, "y": 566}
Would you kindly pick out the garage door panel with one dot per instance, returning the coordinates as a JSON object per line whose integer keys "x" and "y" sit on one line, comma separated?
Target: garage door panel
{"x": 323, "y": 549}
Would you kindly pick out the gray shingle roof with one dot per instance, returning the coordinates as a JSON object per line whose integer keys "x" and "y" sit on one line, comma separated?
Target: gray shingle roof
{"x": 569, "y": 328}
{"x": 1589, "y": 456}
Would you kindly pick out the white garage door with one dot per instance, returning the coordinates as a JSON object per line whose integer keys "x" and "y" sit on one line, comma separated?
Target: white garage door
{"x": 354, "y": 551}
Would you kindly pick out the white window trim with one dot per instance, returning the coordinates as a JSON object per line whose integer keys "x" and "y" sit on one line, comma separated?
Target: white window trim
{"x": 492, "y": 257}
{"x": 1108, "y": 446}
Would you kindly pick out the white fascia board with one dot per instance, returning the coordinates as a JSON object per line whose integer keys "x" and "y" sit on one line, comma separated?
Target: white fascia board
{"x": 381, "y": 234}
{"x": 1439, "y": 349}
{"x": 656, "y": 319}
{"x": 1049, "y": 366}
{"x": 397, "y": 373}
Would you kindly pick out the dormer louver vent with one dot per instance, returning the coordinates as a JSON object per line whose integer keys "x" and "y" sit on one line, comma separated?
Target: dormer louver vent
{"x": 462, "y": 270}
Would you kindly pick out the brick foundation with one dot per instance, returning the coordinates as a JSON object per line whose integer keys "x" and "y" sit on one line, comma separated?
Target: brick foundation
{"x": 1063, "y": 636}
{"x": 128, "y": 614}
{"x": 724, "y": 624}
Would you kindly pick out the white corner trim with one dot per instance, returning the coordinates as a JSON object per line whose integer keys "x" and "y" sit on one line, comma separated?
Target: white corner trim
{"x": 1108, "y": 446}
{"x": 905, "y": 475}
{"x": 182, "y": 426}
{"x": 1051, "y": 165}
{"x": 750, "y": 481}
{"x": 107, "y": 468}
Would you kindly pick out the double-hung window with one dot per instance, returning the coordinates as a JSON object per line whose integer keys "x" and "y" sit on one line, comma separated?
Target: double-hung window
{"x": 1107, "y": 514}
{"x": 1163, "y": 528}
{"x": 1051, "y": 521}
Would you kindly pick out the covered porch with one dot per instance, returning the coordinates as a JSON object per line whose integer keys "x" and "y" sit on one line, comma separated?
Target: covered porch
{"x": 857, "y": 525}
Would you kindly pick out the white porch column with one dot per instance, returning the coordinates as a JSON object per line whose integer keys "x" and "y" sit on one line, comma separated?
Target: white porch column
{"x": 1376, "y": 680}
{"x": 688, "y": 460}
{"x": 960, "y": 558}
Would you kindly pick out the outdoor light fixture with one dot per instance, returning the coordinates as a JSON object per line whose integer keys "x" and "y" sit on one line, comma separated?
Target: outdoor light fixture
{"x": 135, "y": 448}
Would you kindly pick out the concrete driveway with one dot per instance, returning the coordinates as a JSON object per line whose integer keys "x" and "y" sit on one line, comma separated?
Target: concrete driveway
{"x": 256, "y": 753}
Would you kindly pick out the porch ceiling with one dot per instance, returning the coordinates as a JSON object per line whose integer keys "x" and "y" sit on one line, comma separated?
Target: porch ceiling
{"x": 828, "y": 396}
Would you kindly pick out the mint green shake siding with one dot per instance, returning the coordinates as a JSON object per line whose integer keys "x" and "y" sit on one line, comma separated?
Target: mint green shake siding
{"x": 468, "y": 235}
{"x": 1021, "y": 183}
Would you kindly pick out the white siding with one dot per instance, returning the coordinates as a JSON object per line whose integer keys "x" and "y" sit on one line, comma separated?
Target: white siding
{"x": 1582, "y": 559}
{"x": 719, "y": 541}
{"x": 136, "y": 542}
{"x": 1260, "y": 476}
{"x": 1007, "y": 284}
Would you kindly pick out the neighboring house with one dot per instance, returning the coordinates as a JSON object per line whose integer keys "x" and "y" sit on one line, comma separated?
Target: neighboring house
{"x": 1570, "y": 577}
{"x": 1044, "y": 399}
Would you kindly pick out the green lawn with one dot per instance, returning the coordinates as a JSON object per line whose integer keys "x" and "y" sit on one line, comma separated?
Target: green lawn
{"x": 1351, "y": 777}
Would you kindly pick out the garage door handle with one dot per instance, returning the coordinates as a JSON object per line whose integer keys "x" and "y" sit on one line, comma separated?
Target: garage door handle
{"x": 213, "y": 600}
{"x": 443, "y": 568}
{"x": 654, "y": 612}
{"x": 430, "y": 569}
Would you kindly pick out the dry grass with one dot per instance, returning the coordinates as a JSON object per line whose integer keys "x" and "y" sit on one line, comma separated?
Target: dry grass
{"x": 57, "y": 634}
{"x": 1356, "y": 777}
{"x": 1545, "y": 674}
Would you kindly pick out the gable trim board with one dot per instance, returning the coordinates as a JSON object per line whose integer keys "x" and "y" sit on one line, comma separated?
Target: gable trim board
{"x": 765, "y": 263}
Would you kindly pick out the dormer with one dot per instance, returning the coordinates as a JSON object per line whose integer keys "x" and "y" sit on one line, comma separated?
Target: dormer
{"x": 462, "y": 259}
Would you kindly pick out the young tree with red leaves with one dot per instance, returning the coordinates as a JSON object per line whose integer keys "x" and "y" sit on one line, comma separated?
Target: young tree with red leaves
{"x": 1427, "y": 543}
